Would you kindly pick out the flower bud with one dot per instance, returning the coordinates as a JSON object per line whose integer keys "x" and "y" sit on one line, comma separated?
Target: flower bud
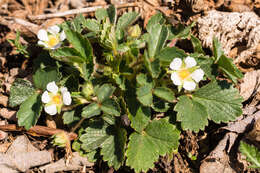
{"x": 134, "y": 31}
{"x": 87, "y": 89}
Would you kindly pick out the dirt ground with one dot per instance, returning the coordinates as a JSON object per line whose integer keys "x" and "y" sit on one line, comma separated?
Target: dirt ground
{"x": 215, "y": 149}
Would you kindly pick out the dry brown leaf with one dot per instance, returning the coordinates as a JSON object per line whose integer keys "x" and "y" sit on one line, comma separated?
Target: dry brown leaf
{"x": 3, "y": 100}
{"x": 250, "y": 84}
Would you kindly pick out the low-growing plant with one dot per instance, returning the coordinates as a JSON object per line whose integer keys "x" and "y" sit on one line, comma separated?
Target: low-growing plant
{"x": 130, "y": 91}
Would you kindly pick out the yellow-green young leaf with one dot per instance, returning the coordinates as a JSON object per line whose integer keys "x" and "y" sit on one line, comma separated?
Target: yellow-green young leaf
{"x": 43, "y": 76}
{"x": 158, "y": 138}
{"x": 222, "y": 101}
{"x": 164, "y": 93}
{"x": 20, "y": 91}
{"x": 192, "y": 115}
{"x": 91, "y": 110}
{"x": 229, "y": 68}
{"x": 110, "y": 107}
{"x": 29, "y": 111}
{"x": 92, "y": 25}
{"x": 109, "y": 138}
{"x": 252, "y": 154}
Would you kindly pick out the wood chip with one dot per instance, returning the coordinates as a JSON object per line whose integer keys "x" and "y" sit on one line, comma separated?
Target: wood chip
{"x": 250, "y": 84}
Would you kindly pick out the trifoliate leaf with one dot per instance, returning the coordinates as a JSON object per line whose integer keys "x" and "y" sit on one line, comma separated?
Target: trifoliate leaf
{"x": 20, "y": 91}
{"x": 110, "y": 107}
{"x": 252, "y": 154}
{"x": 229, "y": 68}
{"x": 104, "y": 92}
{"x": 192, "y": 115}
{"x": 44, "y": 76}
{"x": 29, "y": 111}
{"x": 164, "y": 93}
{"x": 222, "y": 101}
{"x": 110, "y": 139}
{"x": 91, "y": 110}
{"x": 158, "y": 138}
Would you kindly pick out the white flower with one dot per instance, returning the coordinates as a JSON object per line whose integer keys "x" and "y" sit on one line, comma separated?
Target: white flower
{"x": 54, "y": 98}
{"x": 51, "y": 38}
{"x": 185, "y": 73}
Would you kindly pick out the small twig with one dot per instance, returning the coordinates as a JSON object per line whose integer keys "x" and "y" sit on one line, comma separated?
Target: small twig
{"x": 78, "y": 11}
{"x": 77, "y": 125}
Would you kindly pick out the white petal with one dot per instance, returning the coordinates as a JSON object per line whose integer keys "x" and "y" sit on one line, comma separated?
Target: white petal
{"x": 42, "y": 35}
{"x": 51, "y": 109}
{"x": 197, "y": 75}
{"x": 63, "y": 89}
{"x": 56, "y": 46}
{"x": 54, "y": 29}
{"x": 52, "y": 87}
{"x": 176, "y": 64}
{"x": 45, "y": 97}
{"x": 190, "y": 62}
{"x": 41, "y": 43}
{"x": 66, "y": 98}
{"x": 62, "y": 36}
{"x": 189, "y": 85}
{"x": 175, "y": 79}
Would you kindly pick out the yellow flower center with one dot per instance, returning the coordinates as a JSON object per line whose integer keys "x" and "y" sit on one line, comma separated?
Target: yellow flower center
{"x": 56, "y": 99}
{"x": 53, "y": 41}
{"x": 183, "y": 74}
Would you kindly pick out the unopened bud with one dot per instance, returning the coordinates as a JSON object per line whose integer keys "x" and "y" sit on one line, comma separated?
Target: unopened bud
{"x": 134, "y": 31}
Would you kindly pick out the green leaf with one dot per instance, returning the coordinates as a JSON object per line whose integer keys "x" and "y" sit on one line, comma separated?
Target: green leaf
{"x": 155, "y": 19}
{"x": 81, "y": 44}
{"x": 92, "y": 25}
{"x": 91, "y": 110}
{"x": 110, "y": 139}
{"x": 43, "y": 76}
{"x": 68, "y": 55}
{"x": 157, "y": 38}
{"x": 222, "y": 101}
{"x": 227, "y": 66}
{"x": 104, "y": 92}
{"x": 138, "y": 114}
{"x": 154, "y": 66}
{"x": 110, "y": 107}
{"x": 101, "y": 14}
{"x": 180, "y": 32}
{"x": 164, "y": 93}
{"x": 29, "y": 111}
{"x": 167, "y": 54}
{"x": 196, "y": 44}
{"x": 144, "y": 95}
{"x": 111, "y": 12}
{"x": 217, "y": 49}
{"x": 158, "y": 138}
{"x": 160, "y": 105}
{"x": 124, "y": 21}
{"x": 70, "y": 116}
{"x": 252, "y": 154}
{"x": 20, "y": 91}
{"x": 207, "y": 65}
{"x": 191, "y": 114}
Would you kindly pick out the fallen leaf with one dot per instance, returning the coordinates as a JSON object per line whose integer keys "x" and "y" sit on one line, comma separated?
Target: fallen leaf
{"x": 250, "y": 84}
